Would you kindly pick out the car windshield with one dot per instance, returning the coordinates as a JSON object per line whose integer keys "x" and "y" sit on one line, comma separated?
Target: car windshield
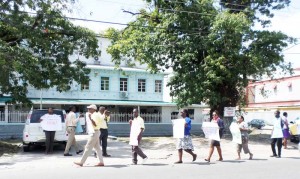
{"x": 36, "y": 115}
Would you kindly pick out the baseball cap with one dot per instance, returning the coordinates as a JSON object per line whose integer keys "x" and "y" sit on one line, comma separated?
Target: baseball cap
{"x": 93, "y": 106}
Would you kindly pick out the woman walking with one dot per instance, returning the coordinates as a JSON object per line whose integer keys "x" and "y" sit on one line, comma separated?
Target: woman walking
{"x": 186, "y": 143}
{"x": 244, "y": 132}
{"x": 215, "y": 143}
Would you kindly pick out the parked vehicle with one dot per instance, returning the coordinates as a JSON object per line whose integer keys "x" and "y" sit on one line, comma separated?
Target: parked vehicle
{"x": 293, "y": 126}
{"x": 33, "y": 133}
{"x": 257, "y": 123}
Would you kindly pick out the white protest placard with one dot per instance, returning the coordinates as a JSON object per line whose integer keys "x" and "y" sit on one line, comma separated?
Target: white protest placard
{"x": 134, "y": 132}
{"x": 229, "y": 111}
{"x": 236, "y": 133}
{"x": 298, "y": 128}
{"x": 178, "y": 128}
{"x": 89, "y": 126}
{"x": 51, "y": 122}
{"x": 211, "y": 130}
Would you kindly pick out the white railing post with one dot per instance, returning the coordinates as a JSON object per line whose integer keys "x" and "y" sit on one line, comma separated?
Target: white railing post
{"x": 6, "y": 114}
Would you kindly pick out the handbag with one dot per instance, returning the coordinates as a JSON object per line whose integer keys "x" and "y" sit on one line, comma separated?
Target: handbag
{"x": 78, "y": 129}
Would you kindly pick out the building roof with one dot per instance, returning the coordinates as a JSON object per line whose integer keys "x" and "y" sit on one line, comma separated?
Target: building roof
{"x": 103, "y": 67}
{"x": 101, "y": 102}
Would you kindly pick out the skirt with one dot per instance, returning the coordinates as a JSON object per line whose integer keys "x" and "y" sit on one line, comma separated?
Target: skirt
{"x": 286, "y": 133}
{"x": 185, "y": 143}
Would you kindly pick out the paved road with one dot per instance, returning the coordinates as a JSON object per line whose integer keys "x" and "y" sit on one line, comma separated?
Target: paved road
{"x": 161, "y": 155}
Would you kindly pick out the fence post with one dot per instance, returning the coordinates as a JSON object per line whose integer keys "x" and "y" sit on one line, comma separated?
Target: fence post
{"x": 6, "y": 114}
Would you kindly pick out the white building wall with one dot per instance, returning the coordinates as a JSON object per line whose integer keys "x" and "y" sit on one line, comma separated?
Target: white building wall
{"x": 282, "y": 92}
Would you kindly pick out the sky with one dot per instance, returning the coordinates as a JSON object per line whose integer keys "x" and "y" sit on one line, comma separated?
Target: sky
{"x": 285, "y": 20}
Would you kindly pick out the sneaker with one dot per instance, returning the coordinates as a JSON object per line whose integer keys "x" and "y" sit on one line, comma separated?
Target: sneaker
{"x": 145, "y": 160}
{"x": 278, "y": 156}
{"x": 273, "y": 155}
{"x": 67, "y": 154}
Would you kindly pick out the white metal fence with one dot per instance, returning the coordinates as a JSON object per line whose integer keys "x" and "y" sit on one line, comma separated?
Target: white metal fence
{"x": 125, "y": 117}
{"x": 20, "y": 117}
{"x": 13, "y": 117}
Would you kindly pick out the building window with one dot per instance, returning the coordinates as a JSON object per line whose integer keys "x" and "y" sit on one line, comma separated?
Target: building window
{"x": 158, "y": 86}
{"x": 104, "y": 83}
{"x": 85, "y": 86}
{"x": 141, "y": 85}
{"x": 123, "y": 84}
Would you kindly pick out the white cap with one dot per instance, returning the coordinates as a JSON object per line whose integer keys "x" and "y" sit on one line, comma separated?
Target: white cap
{"x": 92, "y": 106}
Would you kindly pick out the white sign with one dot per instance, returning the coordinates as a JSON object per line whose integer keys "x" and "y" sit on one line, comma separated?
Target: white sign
{"x": 277, "y": 130}
{"x": 236, "y": 133}
{"x": 298, "y": 128}
{"x": 178, "y": 128}
{"x": 51, "y": 122}
{"x": 134, "y": 132}
{"x": 211, "y": 130}
{"x": 229, "y": 111}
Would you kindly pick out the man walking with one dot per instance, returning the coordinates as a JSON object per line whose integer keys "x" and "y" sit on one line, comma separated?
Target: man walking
{"x": 277, "y": 135}
{"x": 137, "y": 128}
{"x": 105, "y": 117}
{"x": 71, "y": 122}
{"x": 93, "y": 141}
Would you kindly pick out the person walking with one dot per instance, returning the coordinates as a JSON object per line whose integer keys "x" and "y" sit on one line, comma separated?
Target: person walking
{"x": 71, "y": 122}
{"x": 186, "y": 143}
{"x": 93, "y": 141}
{"x": 105, "y": 117}
{"x": 245, "y": 137}
{"x": 137, "y": 128}
{"x": 215, "y": 143}
{"x": 50, "y": 135}
{"x": 286, "y": 131}
{"x": 277, "y": 135}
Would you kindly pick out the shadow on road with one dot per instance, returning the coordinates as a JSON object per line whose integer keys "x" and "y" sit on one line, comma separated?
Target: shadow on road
{"x": 292, "y": 157}
{"x": 233, "y": 161}
{"x": 155, "y": 164}
{"x": 260, "y": 159}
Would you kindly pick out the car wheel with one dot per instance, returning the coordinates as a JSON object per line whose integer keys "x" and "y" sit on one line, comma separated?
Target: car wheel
{"x": 259, "y": 127}
{"x": 26, "y": 148}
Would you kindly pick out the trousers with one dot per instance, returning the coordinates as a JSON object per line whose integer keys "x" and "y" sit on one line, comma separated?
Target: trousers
{"x": 279, "y": 145}
{"x": 49, "y": 141}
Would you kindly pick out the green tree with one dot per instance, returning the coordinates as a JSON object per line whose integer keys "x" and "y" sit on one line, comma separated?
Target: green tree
{"x": 36, "y": 41}
{"x": 213, "y": 53}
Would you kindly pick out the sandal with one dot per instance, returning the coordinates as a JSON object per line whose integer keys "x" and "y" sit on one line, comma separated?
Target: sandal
{"x": 194, "y": 157}
{"x": 99, "y": 165}
{"x": 207, "y": 160}
{"x": 251, "y": 157}
{"x": 178, "y": 162}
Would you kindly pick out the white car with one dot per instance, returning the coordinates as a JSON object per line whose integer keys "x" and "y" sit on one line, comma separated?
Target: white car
{"x": 33, "y": 133}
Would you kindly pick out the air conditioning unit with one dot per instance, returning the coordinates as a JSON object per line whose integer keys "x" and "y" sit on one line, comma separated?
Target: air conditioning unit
{"x": 123, "y": 94}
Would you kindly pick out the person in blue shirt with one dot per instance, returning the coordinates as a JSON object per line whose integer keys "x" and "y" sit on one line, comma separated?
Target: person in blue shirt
{"x": 186, "y": 143}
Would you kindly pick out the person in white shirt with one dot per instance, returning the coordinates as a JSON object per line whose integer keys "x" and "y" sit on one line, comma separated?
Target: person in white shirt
{"x": 277, "y": 135}
{"x": 71, "y": 122}
{"x": 137, "y": 128}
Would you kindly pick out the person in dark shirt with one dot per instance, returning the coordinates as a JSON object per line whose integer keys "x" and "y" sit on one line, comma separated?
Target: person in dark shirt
{"x": 215, "y": 143}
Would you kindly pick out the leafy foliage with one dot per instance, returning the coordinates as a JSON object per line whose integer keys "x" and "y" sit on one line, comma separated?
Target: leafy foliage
{"x": 36, "y": 40}
{"x": 213, "y": 53}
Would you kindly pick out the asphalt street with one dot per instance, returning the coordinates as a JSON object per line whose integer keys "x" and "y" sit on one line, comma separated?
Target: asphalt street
{"x": 162, "y": 155}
